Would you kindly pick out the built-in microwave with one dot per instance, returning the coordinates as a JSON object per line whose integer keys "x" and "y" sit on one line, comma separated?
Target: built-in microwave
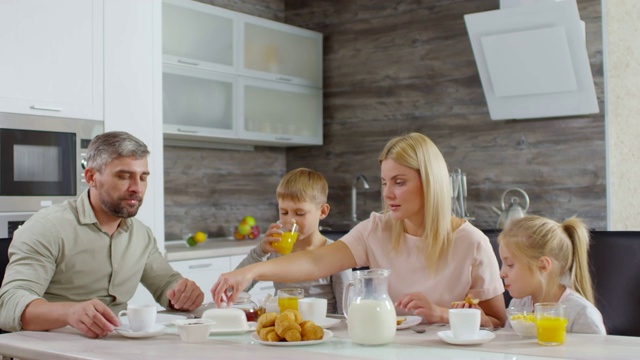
{"x": 41, "y": 160}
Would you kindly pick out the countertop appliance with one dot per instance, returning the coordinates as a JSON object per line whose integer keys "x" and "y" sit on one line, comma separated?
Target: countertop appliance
{"x": 9, "y": 222}
{"x": 41, "y": 160}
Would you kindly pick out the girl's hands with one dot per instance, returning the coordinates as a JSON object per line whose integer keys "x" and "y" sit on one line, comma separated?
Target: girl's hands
{"x": 268, "y": 240}
{"x": 229, "y": 285}
{"x": 418, "y": 304}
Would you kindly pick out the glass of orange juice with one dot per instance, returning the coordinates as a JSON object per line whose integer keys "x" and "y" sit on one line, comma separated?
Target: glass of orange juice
{"x": 288, "y": 298}
{"x": 551, "y": 323}
{"x": 288, "y": 237}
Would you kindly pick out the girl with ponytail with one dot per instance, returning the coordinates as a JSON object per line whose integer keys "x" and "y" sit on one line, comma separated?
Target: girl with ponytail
{"x": 544, "y": 261}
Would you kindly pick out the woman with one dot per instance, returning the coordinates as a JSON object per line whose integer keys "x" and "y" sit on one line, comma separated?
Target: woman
{"x": 434, "y": 258}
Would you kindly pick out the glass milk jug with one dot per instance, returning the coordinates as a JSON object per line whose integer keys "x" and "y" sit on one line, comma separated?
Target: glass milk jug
{"x": 371, "y": 316}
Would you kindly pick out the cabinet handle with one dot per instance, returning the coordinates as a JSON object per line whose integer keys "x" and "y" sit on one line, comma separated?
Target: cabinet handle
{"x": 282, "y": 138}
{"x": 188, "y": 131}
{"x": 45, "y": 108}
{"x": 282, "y": 78}
{"x": 188, "y": 62}
{"x": 200, "y": 266}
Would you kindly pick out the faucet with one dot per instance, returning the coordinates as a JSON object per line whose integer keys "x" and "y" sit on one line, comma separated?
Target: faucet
{"x": 354, "y": 195}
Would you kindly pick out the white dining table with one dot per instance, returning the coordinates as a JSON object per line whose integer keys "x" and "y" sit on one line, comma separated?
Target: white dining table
{"x": 68, "y": 343}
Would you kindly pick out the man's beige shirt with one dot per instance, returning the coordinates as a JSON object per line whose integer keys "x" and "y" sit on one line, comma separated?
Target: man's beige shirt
{"x": 62, "y": 254}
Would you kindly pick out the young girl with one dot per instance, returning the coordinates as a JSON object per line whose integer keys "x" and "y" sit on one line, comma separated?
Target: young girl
{"x": 302, "y": 196}
{"x": 543, "y": 261}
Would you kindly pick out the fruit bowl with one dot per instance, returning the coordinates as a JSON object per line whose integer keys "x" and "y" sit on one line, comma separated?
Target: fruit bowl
{"x": 522, "y": 321}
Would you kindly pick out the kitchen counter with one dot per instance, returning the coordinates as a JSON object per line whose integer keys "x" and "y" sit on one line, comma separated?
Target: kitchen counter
{"x": 214, "y": 247}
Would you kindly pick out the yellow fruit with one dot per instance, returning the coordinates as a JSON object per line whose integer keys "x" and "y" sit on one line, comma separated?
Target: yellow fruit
{"x": 250, "y": 220}
{"x": 199, "y": 237}
{"x": 244, "y": 228}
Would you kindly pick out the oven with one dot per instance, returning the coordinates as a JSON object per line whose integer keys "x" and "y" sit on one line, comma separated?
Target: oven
{"x": 41, "y": 160}
{"x": 9, "y": 222}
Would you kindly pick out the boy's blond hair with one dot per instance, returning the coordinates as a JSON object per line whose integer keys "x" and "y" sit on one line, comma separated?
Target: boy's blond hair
{"x": 303, "y": 185}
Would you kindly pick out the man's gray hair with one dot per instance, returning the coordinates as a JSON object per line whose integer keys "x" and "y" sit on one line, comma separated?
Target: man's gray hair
{"x": 111, "y": 145}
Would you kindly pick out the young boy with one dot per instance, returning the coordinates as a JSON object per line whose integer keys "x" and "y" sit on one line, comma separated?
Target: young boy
{"x": 302, "y": 196}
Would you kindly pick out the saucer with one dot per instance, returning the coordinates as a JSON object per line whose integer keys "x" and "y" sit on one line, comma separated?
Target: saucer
{"x": 483, "y": 337}
{"x": 156, "y": 330}
{"x": 409, "y": 322}
{"x": 328, "y": 323}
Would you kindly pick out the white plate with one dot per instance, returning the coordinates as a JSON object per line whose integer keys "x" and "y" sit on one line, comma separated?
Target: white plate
{"x": 328, "y": 322}
{"x": 411, "y": 321}
{"x": 251, "y": 327}
{"x": 327, "y": 335}
{"x": 483, "y": 337}
{"x": 156, "y": 330}
{"x": 161, "y": 319}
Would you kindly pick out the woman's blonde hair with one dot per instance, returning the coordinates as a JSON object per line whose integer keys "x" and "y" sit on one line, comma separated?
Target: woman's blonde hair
{"x": 418, "y": 152}
{"x": 303, "y": 185}
{"x": 566, "y": 244}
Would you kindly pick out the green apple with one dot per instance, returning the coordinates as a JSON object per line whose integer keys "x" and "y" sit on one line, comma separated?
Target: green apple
{"x": 244, "y": 228}
{"x": 250, "y": 220}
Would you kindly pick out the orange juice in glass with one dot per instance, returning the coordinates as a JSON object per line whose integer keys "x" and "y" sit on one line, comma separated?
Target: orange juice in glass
{"x": 288, "y": 237}
{"x": 288, "y": 298}
{"x": 551, "y": 323}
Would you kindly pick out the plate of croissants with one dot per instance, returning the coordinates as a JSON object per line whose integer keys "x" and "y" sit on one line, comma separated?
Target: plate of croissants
{"x": 288, "y": 329}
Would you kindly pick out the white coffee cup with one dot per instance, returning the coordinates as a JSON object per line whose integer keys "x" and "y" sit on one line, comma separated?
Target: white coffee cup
{"x": 314, "y": 309}
{"x": 140, "y": 317}
{"x": 465, "y": 323}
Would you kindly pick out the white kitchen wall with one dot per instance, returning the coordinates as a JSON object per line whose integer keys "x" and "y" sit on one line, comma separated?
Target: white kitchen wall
{"x": 621, "y": 48}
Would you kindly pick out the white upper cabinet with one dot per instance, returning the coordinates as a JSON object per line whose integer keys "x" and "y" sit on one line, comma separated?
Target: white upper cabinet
{"x": 280, "y": 52}
{"x": 52, "y": 58}
{"x": 237, "y": 79}
{"x": 273, "y": 113}
{"x": 198, "y": 103}
{"x": 199, "y": 35}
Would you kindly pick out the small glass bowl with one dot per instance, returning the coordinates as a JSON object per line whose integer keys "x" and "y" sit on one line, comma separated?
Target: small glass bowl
{"x": 522, "y": 321}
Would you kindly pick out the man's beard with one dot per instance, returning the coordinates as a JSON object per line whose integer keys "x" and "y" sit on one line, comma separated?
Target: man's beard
{"x": 117, "y": 208}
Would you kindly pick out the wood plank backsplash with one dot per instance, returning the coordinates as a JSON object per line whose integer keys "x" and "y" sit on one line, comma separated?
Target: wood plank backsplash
{"x": 392, "y": 67}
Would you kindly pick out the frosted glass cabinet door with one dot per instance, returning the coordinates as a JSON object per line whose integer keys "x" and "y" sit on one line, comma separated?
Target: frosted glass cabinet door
{"x": 280, "y": 114}
{"x": 280, "y": 52}
{"x": 197, "y": 102}
{"x": 200, "y": 35}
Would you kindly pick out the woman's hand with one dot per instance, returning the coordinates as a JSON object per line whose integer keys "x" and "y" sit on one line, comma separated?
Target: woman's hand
{"x": 269, "y": 239}
{"x": 229, "y": 285}
{"x": 485, "y": 321}
{"x": 419, "y": 305}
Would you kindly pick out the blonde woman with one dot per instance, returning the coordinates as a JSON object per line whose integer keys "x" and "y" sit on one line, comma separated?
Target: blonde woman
{"x": 434, "y": 258}
{"x": 544, "y": 261}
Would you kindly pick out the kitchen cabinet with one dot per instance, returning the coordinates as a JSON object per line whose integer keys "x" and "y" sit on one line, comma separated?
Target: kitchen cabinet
{"x": 199, "y": 35}
{"x": 238, "y": 79}
{"x": 198, "y": 103}
{"x": 204, "y": 272}
{"x": 52, "y": 58}
{"x": 280, "y": 52}
{"x": 275, "y": 113}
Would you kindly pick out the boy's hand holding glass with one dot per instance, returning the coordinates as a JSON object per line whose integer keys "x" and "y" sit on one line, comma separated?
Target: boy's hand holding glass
{"x": 280, "y": 237}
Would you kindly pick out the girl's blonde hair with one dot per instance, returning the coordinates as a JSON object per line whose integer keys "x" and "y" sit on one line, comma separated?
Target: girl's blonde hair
{"x": 303, "y": 185}
{"x": 566, "y": 244}
{"x": 418, "y": 152}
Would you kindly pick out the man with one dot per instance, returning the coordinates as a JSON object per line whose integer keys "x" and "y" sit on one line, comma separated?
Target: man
{"x": 78, "y": 263}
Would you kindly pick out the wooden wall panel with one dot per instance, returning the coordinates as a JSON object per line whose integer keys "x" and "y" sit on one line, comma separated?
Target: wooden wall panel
{"x": 392, "y": 67}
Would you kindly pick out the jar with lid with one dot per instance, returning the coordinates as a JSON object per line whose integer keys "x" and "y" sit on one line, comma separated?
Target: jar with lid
{"x": 250, "y": 308}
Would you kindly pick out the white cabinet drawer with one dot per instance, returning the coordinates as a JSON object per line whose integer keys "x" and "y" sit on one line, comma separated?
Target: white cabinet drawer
{"x": 204, "y": 272}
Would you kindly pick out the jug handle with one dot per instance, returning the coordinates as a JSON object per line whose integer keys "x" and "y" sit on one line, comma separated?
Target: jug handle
{"x": 524, "y": 195}
{"x": 345, "y": 298}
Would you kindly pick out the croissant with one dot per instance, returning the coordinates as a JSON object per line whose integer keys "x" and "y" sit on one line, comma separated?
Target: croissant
{"x": 311, "y": 331}
{"x": 269, "y": 334}
{"x": 293, "y": 315}
{"x": 288, "y": 329}
{"x": 266, "y": 320}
